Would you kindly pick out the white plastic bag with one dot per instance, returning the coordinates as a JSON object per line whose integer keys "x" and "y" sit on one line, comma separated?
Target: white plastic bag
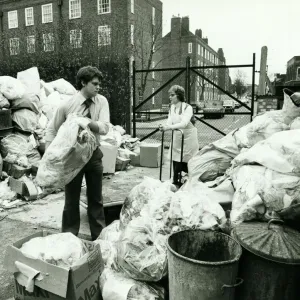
{"x": 295, "y": 124}
{"x": 29, "y": 101}
{"x": 116, "y": 286}
{"x": 208, "y": 164}
{"x": 142, "y": 253}
{"x": 11, "y": 88}
{"x": 31, "y": 79}
{"x": 5, "y": 192}
{"x": 280, "y": 152}
{"x": 63, "y": 87}
{"x": 65, "y": 156}
{"x": 61, "y": 249}
{"x": 26, "y": 119}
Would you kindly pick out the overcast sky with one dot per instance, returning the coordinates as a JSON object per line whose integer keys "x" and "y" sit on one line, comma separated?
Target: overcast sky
{"x": 242, "y": 27}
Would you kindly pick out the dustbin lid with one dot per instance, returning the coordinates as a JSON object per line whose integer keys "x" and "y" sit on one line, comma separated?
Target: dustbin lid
{"x": 273, "y": 240}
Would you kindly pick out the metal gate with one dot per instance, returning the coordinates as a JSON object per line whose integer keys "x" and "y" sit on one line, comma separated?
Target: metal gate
{"x": 151, "y": 103}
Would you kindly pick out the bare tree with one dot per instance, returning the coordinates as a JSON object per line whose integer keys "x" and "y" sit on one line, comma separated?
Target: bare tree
{"x": 239, "y": 83}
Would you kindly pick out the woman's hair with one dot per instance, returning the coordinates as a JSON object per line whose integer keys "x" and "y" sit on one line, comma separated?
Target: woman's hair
{"x": 86, "y": 74}
{"x": 179, "y": 91}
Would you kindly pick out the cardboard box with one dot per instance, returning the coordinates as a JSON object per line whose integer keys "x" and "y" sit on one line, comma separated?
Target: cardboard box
{"x": 122, "y": 163}
{"x": 135, "y": 159}
{"x": 150, "y": 155}
{"x": 80, "y": 282}
{"x": 28, "y": 189}
{"x": 110, "y": 154}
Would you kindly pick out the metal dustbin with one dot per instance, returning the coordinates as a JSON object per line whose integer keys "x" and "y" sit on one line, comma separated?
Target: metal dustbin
{"x": 270, "y": 263}
{"x": 203, "y": 265}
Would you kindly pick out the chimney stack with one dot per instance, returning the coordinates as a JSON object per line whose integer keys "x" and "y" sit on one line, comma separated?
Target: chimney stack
{"x": 205, "y": 40}
{"x": 175, "y": 27}
{"x": 185, "y": 25}
{"x": 198, "y": 33}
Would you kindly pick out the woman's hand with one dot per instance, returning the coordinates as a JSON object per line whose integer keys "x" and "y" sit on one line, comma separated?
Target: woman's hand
{"x": 164, "y": 127}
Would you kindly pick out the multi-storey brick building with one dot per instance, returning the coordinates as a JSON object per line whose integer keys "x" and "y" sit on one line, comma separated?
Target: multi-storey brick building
{"x": 180, "y": 43}
{"x": 71, "y": 33}
{"x": 293, "y": 71}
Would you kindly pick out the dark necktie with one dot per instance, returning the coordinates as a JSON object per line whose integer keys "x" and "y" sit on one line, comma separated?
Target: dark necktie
{"x": 86, "y": 112}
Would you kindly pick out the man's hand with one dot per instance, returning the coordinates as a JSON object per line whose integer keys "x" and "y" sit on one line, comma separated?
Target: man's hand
{"x": 83, "y": 122}
{"x": 164, "y": 127}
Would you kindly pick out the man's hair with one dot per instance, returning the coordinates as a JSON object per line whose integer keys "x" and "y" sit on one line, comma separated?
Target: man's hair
{"x": 86, "y": 74}
{"x": 179, "y": 91}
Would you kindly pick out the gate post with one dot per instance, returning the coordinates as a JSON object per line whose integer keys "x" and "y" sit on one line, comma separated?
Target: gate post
{"x": 188, "y": 80}
{"x": 133, "y": 99}
{"x": 253, "y": 87}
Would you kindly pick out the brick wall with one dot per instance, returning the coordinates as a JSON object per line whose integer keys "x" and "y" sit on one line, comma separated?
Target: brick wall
{"x": 266, "y": 104}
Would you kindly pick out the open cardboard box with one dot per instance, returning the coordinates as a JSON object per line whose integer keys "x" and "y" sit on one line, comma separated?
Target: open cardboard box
{"x": 79, "y": 282}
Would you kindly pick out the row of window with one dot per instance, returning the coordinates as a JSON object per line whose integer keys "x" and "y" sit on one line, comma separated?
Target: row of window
{"x": 204, "y": 53}
{"x": 104, "y": 7}
{"x": 104, "y": 38}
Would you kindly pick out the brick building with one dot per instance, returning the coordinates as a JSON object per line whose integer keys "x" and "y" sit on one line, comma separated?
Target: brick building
{"x": 293, "y": 71}
{"x": 179, "y": 43}
{"x": 72, "y": 33}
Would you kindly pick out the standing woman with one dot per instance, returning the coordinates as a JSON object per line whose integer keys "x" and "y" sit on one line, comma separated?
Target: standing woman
{"x": 180, "y": 117}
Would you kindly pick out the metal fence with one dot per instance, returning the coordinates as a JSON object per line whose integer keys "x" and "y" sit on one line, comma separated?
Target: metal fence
{"x": 151, "y": 102}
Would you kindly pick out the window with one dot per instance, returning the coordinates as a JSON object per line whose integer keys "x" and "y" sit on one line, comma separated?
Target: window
{"x": 104, "y": 35}
{"x": 131, "y": 64}
{"x": 153, "y": 73}
{"x": 14, "y": 46}
{"x": 12, "y": 19}
{"x": 153, "y": 15}
{"x": 132, "y": 34}
{"x": 202, "y": 51}
{"x": 104, "y": 7}
{"x": 190, "y": 48}
{"x": 48, "y": 41}
{"x": 132, "y": 6}
{"x": 199, "y": 48}
{"x": 153, "y": 43}
{"x": 31, "y": 44}
{"x": 47, "y": 13}
{"x": 76, "y": 38}
{"x": 74, "y": 9}
{"x": 29, "y": 20}
{"x": 153, "y": 97}
{"x": 298, "y": 73}
{"x": 198, "y": 62}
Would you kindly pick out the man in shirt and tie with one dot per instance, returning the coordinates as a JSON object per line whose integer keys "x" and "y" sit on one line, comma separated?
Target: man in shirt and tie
{"x": 88, "y": 103}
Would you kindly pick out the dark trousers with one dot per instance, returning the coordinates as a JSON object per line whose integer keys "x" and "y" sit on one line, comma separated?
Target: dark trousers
{"x": 178, "y": 167}
{"x": 93, "y": 172}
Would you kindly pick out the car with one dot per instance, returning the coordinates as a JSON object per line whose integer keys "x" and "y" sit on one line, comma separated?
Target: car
{"x": 213, "y": 110}
{"x": 229, "y": 105}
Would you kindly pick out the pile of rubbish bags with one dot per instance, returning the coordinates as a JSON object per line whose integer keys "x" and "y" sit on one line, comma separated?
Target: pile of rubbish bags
{"x": 134, "y": 247}
{"x": 32, "y": 104}
{"x": 255, "y": 169}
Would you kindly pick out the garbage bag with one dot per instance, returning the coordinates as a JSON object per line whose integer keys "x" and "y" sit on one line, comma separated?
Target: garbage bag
{"x": 14, "y": 144}
{"x": 127, "y": 288}
{"x": 208, "y": 164}
{"x": 48, "y": 89}
{"x": 3, "y": 102}
{"x": 295, "y": 124}
{"x": 142, "y": 252}
{"x": 191, "y": 210}
{"x": 111, "y": 232}
{"x": 11, "y": 88}
{"x": 66, "y": 156}
{"x": 29, "y": 101}
{"x": 61, "y": 249}
{"x": 140, "y": 195}
{"x": 26, "y": 119}
{"x": 280, "y": 152}
{"x": 260, "y": 192}
{"x": 5, "y": 191}
{"x": 63, "y": 87}
{"x": 291, "y": 105}
{"x": 31, "y": 79}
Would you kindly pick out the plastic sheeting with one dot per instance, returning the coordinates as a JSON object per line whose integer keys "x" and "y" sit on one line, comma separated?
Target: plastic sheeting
{"x": 65, "y": 156}
{"x": 116, "y": 286}
{"x": 5, "y": 192}
{"x": 29, "y": 101}
{"x": 26, "y": 119}
{"x": 31, "y": 79}
{"x": 145, "y": 192}
{"x": 142, "y": 253}
{"x": 260, "y": 192}
{"x": 11, "y": 88}
{"x": 62, "y": 249}
{"x": 280, "y": 152}
{"x": 63, "y": 87}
